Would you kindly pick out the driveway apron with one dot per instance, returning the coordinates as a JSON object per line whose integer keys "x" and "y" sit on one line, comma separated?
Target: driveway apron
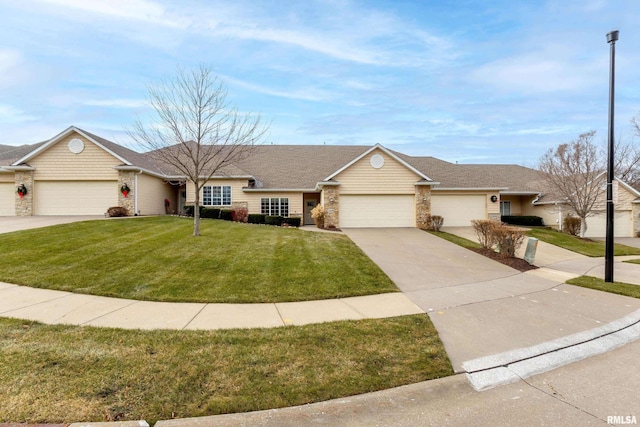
{"x": 481, "y": 307}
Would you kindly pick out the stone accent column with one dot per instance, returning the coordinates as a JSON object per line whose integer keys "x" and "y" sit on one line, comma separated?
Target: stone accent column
{"x": 331, "y": 203}
{"x": 635, "y": 212}
{"x": 423, "y": 206}
{"x": 24, "y": 205}
{"x": 126, "y": 177}
{"x": 495, "y": 217}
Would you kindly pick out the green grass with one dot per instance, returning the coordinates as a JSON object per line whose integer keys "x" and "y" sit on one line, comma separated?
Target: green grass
{"x": 633, "y": 261}
{"x": 60, "y": 374}
{"x": 619, "y": 288}
{"x": 158, "y": 259}
{"x": 592, "y": 248}
{"x": 460, "y": 241}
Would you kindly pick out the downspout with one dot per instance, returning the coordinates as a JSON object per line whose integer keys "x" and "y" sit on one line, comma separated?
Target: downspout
{"x": 136, "y": 212}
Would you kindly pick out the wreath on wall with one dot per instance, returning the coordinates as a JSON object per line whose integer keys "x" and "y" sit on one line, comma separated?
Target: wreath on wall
{"x": 124, "y": 189}
{"x": 22, "y": 190}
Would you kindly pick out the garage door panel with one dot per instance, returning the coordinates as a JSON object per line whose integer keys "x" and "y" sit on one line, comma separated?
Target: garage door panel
{"x": 7, "y": 199}
{"x": 377, "y": 211}
{"x": 597, "y": 225}
{"x": 459, "y": 210}
{"x": 74, "y": 198}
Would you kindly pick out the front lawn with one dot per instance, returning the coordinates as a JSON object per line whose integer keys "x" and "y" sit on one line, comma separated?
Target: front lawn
{"x": 620, "y": 288}
{"x": 592, "y": 248}
{"x": 157, "y": 258}
{"x": 633, "y": 261}
{"x": 60, "y": 374}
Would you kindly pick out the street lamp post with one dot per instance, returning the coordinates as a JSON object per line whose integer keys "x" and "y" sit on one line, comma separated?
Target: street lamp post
{"x": 612, "y": 37}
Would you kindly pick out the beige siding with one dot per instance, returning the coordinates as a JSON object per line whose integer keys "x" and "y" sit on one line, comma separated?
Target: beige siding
{"x": 295, "y": 202}
{"x": 151, "y": 194}
{"x": 7, "y": 177}
{"x": 59, "y": 164}
{"x": 548, "y": 213}
{"x": 516, "y": 203}
{"x": 392, "y": 178}
{"x": 493, "y": 207}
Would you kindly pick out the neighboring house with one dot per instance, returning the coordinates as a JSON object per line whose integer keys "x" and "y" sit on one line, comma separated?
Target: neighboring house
{"x": 78, "y": 173}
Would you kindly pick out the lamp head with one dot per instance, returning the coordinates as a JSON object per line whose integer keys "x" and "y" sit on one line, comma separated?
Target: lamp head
{"x": 612, "y": 36}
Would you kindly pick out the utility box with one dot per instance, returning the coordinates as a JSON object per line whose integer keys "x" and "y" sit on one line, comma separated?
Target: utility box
{"x": 530, "y": 253}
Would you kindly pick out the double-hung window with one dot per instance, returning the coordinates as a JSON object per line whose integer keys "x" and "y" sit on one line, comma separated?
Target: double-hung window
{"x": 216, "y": 195}
{"x": 276, "y": 206}
{"x": 505, "y": 208}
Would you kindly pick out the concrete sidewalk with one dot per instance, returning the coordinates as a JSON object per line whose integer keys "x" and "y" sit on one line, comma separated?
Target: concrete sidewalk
{"x": 58, "y": 307}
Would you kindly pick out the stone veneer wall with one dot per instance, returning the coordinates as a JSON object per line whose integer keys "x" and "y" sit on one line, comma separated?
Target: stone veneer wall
{"x": 423, "y": 206}
{"x": 495, "y": 216}
{"x": 127, "y": 202}
{"x": 24, "y": 205}
{"x": 331, "y": 203}
{"x": 635, "y": 211}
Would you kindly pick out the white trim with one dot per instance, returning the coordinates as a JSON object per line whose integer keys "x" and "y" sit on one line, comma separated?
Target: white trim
{"x": 387, "y": 152}
{"x": 20, "y": 168}
{"x": 520, "y": 193}
{"x": 62, "y": 135}
{"x": 427, "y": 183}
{"x": 468, "y": 189}
{"x": 278, "y": 190}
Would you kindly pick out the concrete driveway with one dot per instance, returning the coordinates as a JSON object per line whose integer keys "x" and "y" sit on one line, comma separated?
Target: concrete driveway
{"x": 17, "y": 223}
{"x": 482, "y": 308}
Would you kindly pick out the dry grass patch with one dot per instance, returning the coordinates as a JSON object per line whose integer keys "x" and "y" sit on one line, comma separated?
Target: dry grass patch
{"x": 68, "y": 374}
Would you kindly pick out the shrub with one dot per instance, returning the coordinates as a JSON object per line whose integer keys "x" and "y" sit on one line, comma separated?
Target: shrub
{"x": 529, "y": 220}
{"x": 484, "y": 229}
{"x": 571, "y": 225}
{"x": 507, "y": 239}
{"x": 226, "y": 214}
{"x": 293, "y": 221}
{"x": 256, "y": 218}
{"x": 117, "y": 211}
{"x": 210, "y": 213}
{"x": 317, "y": 214}
{"x": 188, "y": 210}
{"x": 434, "y": 222}
{"x": 240, "y": 214}
{"x": 273, "y": 220}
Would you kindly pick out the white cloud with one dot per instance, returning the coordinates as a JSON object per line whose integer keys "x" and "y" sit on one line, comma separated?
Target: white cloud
{"x": 138, "y": 10}
{"x": 10, "y": 114}
{"x": 117, "y": 103}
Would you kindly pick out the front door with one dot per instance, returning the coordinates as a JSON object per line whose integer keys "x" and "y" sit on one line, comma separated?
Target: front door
{"x": 309, "y": 204}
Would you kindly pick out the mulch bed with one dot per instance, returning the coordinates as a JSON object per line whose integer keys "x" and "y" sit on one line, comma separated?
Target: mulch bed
{"x": 517, "y": 263}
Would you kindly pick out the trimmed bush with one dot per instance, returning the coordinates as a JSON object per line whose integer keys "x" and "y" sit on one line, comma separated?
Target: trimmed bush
{"x": 226, "y": 214}
{"x": 240, "y": 214}
{"x": 484, "y": 229}
{"x": 530, "y": 220}
{"x": 188, "y": 210}
{"x": 434, "y": 222}
{"x": 117, "y": 211}
{"x": 571, "y": 225}
{"x": 273, "y": 220}
{"x": 317, "y": 214}
{"x": 210, "y": 213}
{"x": 256, "y": 218}
{"x": 494, "y": 234}
{"x": 293, "y": 221}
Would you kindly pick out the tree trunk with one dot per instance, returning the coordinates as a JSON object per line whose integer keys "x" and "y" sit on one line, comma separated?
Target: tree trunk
{"x": 196, "y": 211}
{"x": 583, "y": 226}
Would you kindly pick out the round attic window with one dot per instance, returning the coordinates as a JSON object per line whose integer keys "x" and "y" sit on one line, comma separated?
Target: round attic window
{"x": 377, "y": 161}
{"x": 76, "y": 146}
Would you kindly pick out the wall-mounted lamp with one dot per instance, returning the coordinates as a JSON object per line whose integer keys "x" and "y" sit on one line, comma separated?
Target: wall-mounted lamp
{"x": 331, "y": 199}
{"x": 494, "y": 198}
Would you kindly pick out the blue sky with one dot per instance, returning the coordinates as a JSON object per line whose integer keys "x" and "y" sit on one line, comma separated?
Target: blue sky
{"x": 466, "y": 81}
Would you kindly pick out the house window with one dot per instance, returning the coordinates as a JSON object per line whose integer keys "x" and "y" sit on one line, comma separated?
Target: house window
{"x": 216, "y": 195}
{"x": 276, "y": 206}
{"x": 505, "y": 208}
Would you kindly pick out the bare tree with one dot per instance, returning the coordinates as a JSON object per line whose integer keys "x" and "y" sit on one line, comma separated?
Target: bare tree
{"x": 575, "y": 172}
{"x": 195, "y": 130}
{"x": 627, "y": 163}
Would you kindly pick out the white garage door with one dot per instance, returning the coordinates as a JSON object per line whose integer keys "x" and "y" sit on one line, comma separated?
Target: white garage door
{"x": 74, "y": 197}
{"x": 7, "y": 199}
{"x": 459, "y": 210}
{"x": 377, "y": 211}
{"x": 597, "y": 225}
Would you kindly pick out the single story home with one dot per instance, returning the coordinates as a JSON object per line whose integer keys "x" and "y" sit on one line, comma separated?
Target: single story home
{"x": 79, "y": 173}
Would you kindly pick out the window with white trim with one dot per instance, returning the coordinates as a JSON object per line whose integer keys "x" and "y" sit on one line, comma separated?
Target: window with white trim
{"x": 216, "y": 195}
{"x": 505, "y": 208}
{"x": 275, "y": 206}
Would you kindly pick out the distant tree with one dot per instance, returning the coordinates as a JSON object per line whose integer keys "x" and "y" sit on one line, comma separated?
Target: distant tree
{"x": 575, "y": 172}
{"x": 194, "y": 128}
